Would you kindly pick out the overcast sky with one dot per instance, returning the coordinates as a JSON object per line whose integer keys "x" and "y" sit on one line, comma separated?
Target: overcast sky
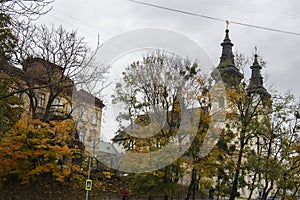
{"x": 108, "y": 18}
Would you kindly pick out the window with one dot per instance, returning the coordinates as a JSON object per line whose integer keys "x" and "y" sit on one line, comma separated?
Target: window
{"x": 221, "y": 102}
{"x": 19, "y": 95}
{"x": 41, "y": 100}
{"x": 69, "y": 109}
{"x": 91, "y": 142}
{"x": 81, "y": 136}
{"x": 56, "y": 104}
{"x": 94, "y": 118}
{"x": 84, "y": 113}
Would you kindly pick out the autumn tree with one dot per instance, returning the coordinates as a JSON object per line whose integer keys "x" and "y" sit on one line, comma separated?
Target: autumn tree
{"x": 272, "y": 165}
{"x": 36, "y": 151}
{"x": 261, "y": 131}
{"x": 154, "y": 93}
{"x": 246, "y": 105}
{"x": 200, "y": 146}
{"x": 246, "y": 110}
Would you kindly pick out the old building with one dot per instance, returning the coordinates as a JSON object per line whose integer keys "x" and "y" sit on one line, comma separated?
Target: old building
{"x": 88, "y": 115}
{"x": 48, "y": 94}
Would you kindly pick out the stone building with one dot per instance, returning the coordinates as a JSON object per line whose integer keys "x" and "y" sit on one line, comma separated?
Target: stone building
{"x": 48, "y": 94}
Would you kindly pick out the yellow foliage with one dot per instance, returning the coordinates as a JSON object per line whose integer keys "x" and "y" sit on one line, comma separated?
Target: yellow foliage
{"x": 107, "y": 175}
{"x": 32, "y": 148}
{"x": 56, "y": 148}
{"x": 65, "y": 150}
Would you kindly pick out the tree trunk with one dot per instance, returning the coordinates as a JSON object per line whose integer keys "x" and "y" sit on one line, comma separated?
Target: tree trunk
{"x": 252, "y": 186}
{"x": 234, "y": 188}
{"x": 192, "y": 186}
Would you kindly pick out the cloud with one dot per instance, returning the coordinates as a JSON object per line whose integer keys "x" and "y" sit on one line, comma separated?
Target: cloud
{"x": 281, "y": 51}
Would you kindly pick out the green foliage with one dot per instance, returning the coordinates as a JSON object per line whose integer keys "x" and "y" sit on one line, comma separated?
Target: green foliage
{"x": 9, "y": 105}
{"x": 154, "y": 183}
{"x": 7, "y": 39}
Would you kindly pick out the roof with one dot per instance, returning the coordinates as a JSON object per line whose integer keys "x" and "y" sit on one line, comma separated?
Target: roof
{"x": 106, "y": 147}
{"x": 89, "y": 98}
{"x": 11, "y": 70}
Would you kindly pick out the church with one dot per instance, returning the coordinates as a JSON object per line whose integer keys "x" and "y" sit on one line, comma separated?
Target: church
{"x": 252, "y": 102}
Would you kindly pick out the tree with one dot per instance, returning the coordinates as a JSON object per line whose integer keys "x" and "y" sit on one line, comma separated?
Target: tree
{"x": 246, "y": 107}
{"x": 276, "y": 158}
{"x": 158, "y": 83}
{"x": 9, "y": 107}
{"x": 154, "y": 93}
{"x": 36, "y": 151}
{"x": 246, "y": 110}
{"x": 26, "y": 10}
{"x": 195, "y": 160}
{"x": 8, "y": 40}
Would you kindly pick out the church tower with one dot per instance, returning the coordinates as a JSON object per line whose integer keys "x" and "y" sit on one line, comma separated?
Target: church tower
{"x": 256, "y": 83}
{"x": 255, "y": 105}
{"x": 226, "y": 70}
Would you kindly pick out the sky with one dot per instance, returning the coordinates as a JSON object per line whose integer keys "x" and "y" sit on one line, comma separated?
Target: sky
{"x": 110, "y": 18}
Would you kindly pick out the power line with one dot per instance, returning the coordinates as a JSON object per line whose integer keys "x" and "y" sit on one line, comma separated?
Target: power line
{"x": 83, "y": 22}
{"x": 215, "y": 18}
{"x": 257, "y": 11}
{"x": 119, "y": 46}
{"x": 89, "y": 33}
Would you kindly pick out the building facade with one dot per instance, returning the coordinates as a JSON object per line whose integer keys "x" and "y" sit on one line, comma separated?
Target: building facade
{"x": 48, "y": 94}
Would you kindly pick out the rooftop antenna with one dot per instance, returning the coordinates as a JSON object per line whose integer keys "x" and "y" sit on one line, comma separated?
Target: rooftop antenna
{"x": 255, "y": 50}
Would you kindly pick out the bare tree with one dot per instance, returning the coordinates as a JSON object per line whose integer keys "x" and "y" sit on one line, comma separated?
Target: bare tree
{"x": 25, "y": 9}
{"x": 66, "y": 60}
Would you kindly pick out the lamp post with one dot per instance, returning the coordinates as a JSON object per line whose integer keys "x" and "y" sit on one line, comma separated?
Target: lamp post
{"x": 89, "y": 169}
{"x": 89, "y": 176}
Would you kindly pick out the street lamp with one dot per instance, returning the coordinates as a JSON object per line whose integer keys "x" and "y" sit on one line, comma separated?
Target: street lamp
{"x": 88, "y": 180}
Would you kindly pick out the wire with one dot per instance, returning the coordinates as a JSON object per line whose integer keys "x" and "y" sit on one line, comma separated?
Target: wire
{"x": 119, "y": 46}
{"x": 92, "y": 34}
{"x": 215, "y": 18}
{"x": 83, "y": 22}
{"x": 233, "y": 6}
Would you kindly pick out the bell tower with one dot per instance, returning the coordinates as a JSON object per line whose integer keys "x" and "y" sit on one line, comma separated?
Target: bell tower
{"x": 226, "y": 70}
{"x": 256, "y": 81}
